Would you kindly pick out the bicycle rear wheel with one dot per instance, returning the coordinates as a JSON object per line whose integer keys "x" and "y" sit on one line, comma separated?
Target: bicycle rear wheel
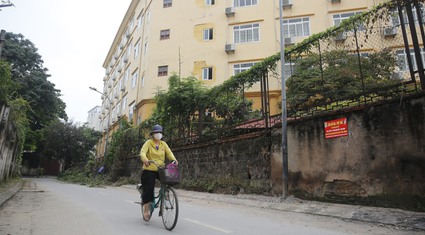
{"x": 169, "y": 208}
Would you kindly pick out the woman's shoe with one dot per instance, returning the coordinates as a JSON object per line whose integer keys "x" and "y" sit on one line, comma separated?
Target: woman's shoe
{"x": 146, "y": 217}
{"x": 146, "y": 212}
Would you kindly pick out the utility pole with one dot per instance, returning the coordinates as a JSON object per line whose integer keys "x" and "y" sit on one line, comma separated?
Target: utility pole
{"x": 109, "y": 117}
{"x": 2, "y": 39}
{"x": 6, "y": 4}
{"x": 3, "y": 32}
{"x": 284, "y": 114}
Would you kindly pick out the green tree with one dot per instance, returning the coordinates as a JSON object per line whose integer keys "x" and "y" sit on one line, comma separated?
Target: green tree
{"x": 180, "y": 105}
{"x": 30, "y": 77}
{"x": 341, "y": 76}
{"x": 183, "y": 108}
{"x": 68, "y": 143}
{"x": 6, "y": 83}
{"x": 126, "y": 141}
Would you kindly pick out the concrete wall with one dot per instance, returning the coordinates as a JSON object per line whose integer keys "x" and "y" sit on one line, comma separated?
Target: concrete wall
{"x": 8, "y": 145}
{"x": 383, "y": 154}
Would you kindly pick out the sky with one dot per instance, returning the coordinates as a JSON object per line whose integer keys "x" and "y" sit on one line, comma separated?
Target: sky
{"x": 73, "y": 39}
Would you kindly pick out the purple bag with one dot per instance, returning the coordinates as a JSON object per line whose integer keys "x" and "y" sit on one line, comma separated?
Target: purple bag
{"x": 169, "y": 175}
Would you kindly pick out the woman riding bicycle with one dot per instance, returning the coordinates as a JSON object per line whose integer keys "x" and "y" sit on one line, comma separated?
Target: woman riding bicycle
{"x": 156, "y": 150}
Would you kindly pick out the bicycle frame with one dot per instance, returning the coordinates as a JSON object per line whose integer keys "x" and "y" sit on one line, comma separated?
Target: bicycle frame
{"x": 158, "y": 198}
{"x": 165, "y": 199}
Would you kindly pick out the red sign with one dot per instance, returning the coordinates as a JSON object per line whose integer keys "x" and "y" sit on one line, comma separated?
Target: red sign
{"x": 336, "y": 128}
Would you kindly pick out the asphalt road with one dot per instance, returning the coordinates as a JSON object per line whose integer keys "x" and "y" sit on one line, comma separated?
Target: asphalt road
{"x": 46, "y": 206}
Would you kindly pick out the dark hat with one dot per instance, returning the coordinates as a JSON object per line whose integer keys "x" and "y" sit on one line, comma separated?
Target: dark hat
{"x": 157, "y": 129}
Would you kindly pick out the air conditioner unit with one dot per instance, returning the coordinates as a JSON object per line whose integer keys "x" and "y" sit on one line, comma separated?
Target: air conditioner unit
{"x": 109, "y": 85}
{"x": 340, "y": 37}
{"x": 229, "y": 48}
{"x": 390, "y": 32}
{"x": 286, "y": 4}
{"x": 230, "y": 11}
{"x": 335, "y": 1}
{"x": 125, "y": 59}
{"x": 123, "y": 88}
{"x": 289, "y": 41}
{"x": 119, "y": 69}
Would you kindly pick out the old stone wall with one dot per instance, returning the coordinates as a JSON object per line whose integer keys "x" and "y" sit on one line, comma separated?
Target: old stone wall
{"x": 384, "y": 154}
{"x": 8, "y": 145}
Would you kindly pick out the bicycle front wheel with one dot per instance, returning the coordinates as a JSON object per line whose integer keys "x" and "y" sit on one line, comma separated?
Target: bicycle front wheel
{"x": 169, "y": 208}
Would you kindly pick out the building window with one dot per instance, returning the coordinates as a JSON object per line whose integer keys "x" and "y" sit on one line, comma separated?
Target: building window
{"x": 338, "y": 18}
{"x": 162, "y": 71}
{"x": 246, "y": 33}
{"x": 396, "y": 18}
{"x": 239, "y": 68}
{"x": 146, "y": 48}
{"x": 119, "y": 109}
{"x": 296, "y": 27}
{"x": 403, "y": 62}
{"x": 208, "y": 34}
{"x": 129, "y": 49}
{"x": 209, "y": 2}
{"x": 207, "y": 73}
{"x": 131, "y": 112}
{"x": 168, "y": 3}
{"x": 134, "y": 79}
{"x": 143, "y": 81}
{"x": 136, "y": 49}
{"x": 140, "y": 21}
{"x": 124, "y": 103}
{"x": 131, "y": 26}
{"x": 165, "y": 34}
{"x": 243, "y": 3}
{"x": 127, "y": 74}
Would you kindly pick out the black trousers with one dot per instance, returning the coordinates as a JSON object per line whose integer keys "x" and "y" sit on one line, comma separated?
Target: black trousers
{"x": 148, "y": 185}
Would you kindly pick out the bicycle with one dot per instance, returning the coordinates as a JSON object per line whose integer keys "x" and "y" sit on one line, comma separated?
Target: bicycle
{"x": 166, "y": 200}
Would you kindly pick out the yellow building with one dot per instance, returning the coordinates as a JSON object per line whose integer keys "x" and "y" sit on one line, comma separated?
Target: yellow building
{"x": 209, "y": 39}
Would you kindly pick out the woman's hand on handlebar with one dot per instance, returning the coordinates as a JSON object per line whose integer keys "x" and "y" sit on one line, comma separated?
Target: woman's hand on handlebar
{"x": 147, "y": 163}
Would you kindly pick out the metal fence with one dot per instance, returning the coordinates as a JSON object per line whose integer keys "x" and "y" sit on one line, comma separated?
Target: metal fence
{"x": 370, "y": 57}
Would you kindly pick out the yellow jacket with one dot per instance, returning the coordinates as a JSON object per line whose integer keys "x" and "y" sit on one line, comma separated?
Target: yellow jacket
{"x": 149, "y": 151}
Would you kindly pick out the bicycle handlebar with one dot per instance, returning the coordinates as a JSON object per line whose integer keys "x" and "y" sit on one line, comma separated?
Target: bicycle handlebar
{"x": 152, "y": 161}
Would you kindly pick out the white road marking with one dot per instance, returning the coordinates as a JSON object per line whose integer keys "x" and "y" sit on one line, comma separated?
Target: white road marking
{"x": 208, "y": 226}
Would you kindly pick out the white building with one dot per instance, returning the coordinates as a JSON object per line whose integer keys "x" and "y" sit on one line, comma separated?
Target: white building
{"x": 93, "y": 120}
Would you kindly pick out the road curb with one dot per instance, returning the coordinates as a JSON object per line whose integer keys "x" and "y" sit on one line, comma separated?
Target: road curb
{"x": 10, "y": 192}
{"x": 396, "y": 218}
